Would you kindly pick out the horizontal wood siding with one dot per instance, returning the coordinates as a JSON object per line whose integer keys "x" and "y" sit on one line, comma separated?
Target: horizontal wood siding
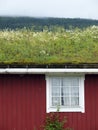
{"x": 23, "y": 103}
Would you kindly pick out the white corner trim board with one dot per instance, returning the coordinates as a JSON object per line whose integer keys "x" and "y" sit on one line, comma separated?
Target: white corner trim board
{"x": 46, "y": 71}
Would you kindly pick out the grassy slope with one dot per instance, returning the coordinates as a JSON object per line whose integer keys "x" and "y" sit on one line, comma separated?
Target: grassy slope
{"x": 58, "y": 47}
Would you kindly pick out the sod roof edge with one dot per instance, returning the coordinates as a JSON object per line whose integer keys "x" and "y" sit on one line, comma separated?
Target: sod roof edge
{"x": 67, "y": 65}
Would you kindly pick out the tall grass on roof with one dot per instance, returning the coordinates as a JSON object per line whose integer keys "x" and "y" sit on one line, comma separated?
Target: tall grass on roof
{"x": 60, "y": 46}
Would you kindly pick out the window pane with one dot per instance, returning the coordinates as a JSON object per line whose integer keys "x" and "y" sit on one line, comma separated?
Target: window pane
{"x": 70, "y": 81}
{"x": 56, "y": 82}
{"x": 66, "y": 101}
{"x": 74, "y": 101}
{"x": 55, "y": 101}
{"x": 66, "y": 82}
{"x": 75, "y": 81}
{"x": 74, "y": 91}
{"x": 66, "y": 91}
{"x": 56, "y": 91}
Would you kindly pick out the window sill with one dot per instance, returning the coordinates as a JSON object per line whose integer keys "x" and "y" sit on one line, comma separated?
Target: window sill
{"x": 79, "y": 109}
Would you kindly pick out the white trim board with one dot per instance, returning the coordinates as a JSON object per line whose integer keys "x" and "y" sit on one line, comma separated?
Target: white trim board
{"x": 47, "y": 71}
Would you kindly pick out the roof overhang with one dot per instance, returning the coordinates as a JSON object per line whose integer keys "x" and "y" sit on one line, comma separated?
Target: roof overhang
{"x": 47, "y": 70}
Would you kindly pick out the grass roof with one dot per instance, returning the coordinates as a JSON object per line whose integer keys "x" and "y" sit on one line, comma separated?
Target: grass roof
{"x": 60, "y": 46}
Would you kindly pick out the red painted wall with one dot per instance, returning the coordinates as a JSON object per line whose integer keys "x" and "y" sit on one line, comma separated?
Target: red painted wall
{"x": 23, "y": 104}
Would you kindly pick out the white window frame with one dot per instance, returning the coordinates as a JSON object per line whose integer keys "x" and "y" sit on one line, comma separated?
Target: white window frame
{"x": 80, "y": 108}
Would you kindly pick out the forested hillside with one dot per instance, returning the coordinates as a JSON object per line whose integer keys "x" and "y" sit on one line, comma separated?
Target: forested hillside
{"x": 39, "y": 24}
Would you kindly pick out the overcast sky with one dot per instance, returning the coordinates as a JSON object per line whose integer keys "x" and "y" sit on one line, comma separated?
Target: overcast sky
{"x": 50, "y": 8}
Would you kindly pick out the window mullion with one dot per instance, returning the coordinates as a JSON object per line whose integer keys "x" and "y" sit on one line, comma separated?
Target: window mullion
{"x": 70, "y": 96}
{"x": 62, "y": 93}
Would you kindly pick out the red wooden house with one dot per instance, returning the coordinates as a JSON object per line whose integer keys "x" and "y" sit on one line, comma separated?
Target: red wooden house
{"x": 40, "y": 71}
{"x": 27, "y": 94}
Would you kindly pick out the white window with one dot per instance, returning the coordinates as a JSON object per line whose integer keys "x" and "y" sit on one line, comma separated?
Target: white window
{"x": 66, "y": 92}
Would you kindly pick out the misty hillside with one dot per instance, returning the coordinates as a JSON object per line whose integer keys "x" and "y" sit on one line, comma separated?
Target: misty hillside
{"x": 39, "y": 24}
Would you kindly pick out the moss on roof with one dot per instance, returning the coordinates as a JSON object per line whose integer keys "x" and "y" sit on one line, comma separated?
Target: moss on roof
{"x": 44, "y": 48}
